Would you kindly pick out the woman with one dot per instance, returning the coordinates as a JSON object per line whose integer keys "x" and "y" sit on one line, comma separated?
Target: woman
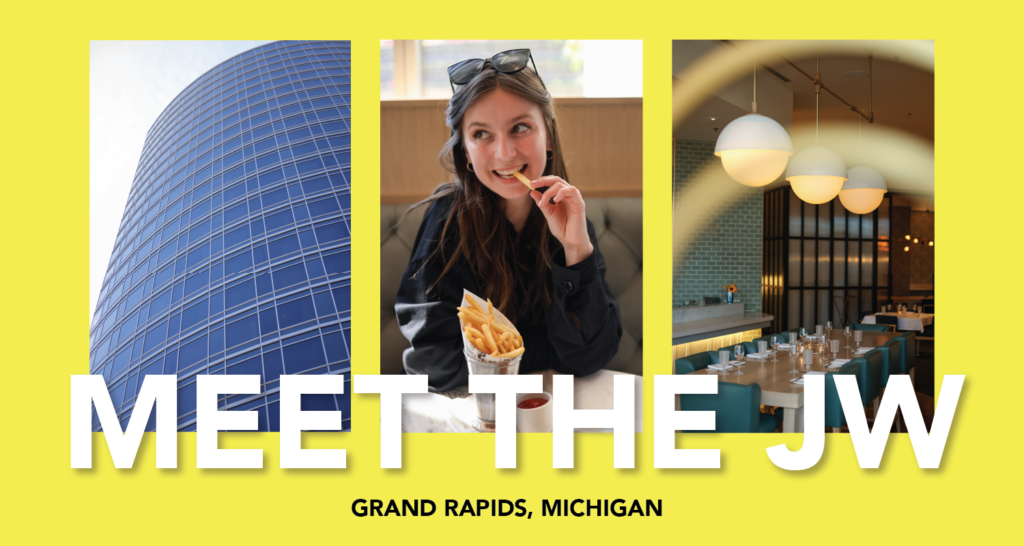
{"x": 535, "y": 256}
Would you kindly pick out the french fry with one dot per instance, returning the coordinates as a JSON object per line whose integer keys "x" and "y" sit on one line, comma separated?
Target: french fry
{"x": 490, "y": 309}
{"x": 488, "y": 337}
{"x": 479, "y": 344}
{"x": 524, "y": 180}
{"x": 512, "y": 354}
{"x": 475, "y": 304}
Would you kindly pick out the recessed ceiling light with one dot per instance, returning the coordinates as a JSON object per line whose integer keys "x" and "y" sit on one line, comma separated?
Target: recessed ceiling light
{"x": 712, "y": 119}
{"x": 856, "y": 74}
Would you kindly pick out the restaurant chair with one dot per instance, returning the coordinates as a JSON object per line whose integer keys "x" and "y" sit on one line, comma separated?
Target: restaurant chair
{"x": 890, "y": 359}
{"x": 834, "y": 416}
{"x": 749, "y": 347}
{"x": 870, "y": 377}
{"x": 890, "y": 365}
{"x": 737, "y": 408}
{"x": 889, "y": 321}
{"x": 872, "y": 327}
{"x": 909, "y": 357}
{"x": 692, "y": 363}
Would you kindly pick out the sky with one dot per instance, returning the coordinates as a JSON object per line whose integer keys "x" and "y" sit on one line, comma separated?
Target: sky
{"x": 130, "y": 83}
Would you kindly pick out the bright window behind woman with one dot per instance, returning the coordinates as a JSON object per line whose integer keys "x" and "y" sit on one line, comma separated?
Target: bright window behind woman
{"x": 571, "y": 68}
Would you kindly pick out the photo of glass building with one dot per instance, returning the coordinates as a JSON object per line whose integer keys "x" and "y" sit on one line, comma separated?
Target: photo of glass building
{"x": 233, "y": 253}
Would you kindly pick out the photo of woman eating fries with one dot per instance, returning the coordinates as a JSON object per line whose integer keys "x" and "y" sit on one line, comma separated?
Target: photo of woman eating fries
{"x": 510, "y": 228}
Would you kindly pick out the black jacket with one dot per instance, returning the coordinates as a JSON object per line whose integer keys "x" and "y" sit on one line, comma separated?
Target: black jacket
{"x": 431, "y": 323}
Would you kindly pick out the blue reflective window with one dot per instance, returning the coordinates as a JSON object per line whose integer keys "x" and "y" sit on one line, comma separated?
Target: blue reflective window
{"x": 243, "y": 330}
{"x": 156, "y": 336}
{"x": 343, "y": 298}
{"x": 324, "y": 304}
{"x": 191, "y": 353}
{"x": 238, "y": 262}
{"x": 235, "y": 213}
{"x": 273, "y": 365}
{"x": 310, "y": 165}
{"x": 197, "y": 281}
{"x": 296, "y": 312}
{"x": 195, "y": 314}
{"x": 289, "y": 276}
{"x": 303, "y": 356}
{"x": 283, "y": 247}
{"x": 200, "y": 254}
{"x": 331, "y": 232}
{"x": 278, "y": 220}
{"x": 240, "y": 293}
{"x": 236, "y": 236}
{"x": 323, "y": 206}
{"x": 338, "y": 264}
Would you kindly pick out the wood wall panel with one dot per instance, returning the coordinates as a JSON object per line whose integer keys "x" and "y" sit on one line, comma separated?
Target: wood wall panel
{"x": 602, "y": 140}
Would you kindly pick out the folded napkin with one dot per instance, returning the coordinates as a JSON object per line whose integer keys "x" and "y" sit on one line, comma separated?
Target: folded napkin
{"x": 863, "y": 350}
{"x": 736, "y": 362}
{"x": 783, "y": 345}
{"x": 800, "y": 380}
{"x": 757, "y": 356}
{"x": 838, "y": 363}
{"x": 719, "y": 367}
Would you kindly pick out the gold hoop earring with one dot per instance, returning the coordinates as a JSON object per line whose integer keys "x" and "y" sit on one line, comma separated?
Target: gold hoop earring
{"x": 469, "y": 166}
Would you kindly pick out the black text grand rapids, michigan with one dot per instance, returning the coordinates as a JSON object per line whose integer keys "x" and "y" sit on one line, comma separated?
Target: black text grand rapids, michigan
{"x": 507, "y": 508}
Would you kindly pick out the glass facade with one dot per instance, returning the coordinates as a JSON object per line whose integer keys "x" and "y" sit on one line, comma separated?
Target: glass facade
{"x": 233, "y": 254}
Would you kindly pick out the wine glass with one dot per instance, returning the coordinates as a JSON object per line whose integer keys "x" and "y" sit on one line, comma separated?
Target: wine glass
{"x": 738, "y": 351}
{"x": 835, "y": 349}
{"x": 828, "y": 329}
{"x": 775, "y": 348}
{"x": 794, "y": 352}
{"x": 889, "y": 308}
{"x": 847, "y": 333}
{"x": 857, "y": 336}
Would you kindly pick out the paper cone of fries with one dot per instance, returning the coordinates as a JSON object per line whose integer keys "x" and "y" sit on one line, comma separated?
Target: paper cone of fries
{"x": 487, "y": 334}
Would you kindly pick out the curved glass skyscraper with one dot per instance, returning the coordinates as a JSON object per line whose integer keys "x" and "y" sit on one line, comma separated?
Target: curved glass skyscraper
{"x": 233, "y": 254}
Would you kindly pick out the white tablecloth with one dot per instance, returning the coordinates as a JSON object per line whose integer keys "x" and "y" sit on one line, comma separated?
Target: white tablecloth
{"x": 909, "y": 321}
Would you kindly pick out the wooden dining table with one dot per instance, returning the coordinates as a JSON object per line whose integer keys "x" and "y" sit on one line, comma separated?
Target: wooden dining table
{"x": 775, "y": 378}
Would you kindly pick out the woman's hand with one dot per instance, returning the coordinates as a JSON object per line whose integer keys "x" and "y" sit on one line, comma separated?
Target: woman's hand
{"x": 565, "y": 212}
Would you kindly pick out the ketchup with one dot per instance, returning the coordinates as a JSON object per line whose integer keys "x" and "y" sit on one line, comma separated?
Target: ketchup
{"x": 531, "y": 403}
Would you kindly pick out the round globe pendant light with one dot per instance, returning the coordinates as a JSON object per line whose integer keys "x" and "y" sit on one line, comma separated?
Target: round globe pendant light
{"x": 863, "y": 191}
{"x": 754, "y": 148}
{"x": 816, "y": 174}
{"x": 865, "y": 187}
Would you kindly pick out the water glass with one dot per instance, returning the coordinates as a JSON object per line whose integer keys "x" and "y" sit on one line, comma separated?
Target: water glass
{"x": 762, "y": 347}
{"x": 835, "y": 349}
{"x": 775, "y": 347}
{"x": 818, "y": 330}
{"x": 738, "y": 350}
{"x": 723, "y": 360}
{"x": 857, "y": 336}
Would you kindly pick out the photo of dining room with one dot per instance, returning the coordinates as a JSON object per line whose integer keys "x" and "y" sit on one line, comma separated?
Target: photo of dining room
{"x": 511, "y": 222}
{"x": 803, "y": 224}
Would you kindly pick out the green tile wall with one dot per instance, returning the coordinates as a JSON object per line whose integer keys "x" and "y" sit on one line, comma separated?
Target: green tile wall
{"x": 727, "y": 248}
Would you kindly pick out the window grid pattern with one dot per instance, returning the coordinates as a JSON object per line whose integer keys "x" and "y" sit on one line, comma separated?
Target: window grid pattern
{"x": 234, "y": 250}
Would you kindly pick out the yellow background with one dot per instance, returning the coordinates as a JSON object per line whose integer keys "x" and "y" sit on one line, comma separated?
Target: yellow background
{"x": 45, "y": 291}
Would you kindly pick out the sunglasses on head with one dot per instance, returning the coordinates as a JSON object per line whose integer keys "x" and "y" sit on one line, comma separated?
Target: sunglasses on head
{"x": 506, "y": 62}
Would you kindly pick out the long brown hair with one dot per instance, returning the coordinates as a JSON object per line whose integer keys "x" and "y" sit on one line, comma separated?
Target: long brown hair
{"x": 483, "y": 240}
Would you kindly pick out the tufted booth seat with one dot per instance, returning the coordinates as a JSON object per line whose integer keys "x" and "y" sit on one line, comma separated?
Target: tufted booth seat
{"x": 618, "y": 223}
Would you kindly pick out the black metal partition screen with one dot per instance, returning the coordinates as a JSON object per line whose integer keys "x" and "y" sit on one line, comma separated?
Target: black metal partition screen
{"x": 822, "y": 262}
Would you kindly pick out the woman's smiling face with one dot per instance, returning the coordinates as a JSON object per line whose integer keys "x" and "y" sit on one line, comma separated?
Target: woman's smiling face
{"x": 504, "y": 133}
